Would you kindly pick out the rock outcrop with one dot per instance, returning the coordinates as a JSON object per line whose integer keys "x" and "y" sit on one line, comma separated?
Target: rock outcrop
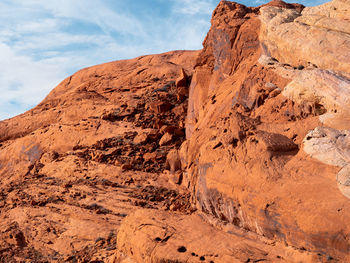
{"x": 266, "y": 77}
{"x": 173, "y": 237}
{"x": 317, "y": 36}
{"x": 235, "y": 153}
{"x": 76, "y": 165}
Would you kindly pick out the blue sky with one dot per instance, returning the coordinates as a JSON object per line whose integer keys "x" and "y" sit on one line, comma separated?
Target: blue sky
{"x": 44, "y": 41}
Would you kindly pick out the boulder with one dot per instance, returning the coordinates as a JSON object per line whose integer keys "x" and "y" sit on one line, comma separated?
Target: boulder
{"x": 160, "y": 106}
{"x": 166, "y": 139}
{"x": 173, "y": 162}
{"x": 182, "y": 80}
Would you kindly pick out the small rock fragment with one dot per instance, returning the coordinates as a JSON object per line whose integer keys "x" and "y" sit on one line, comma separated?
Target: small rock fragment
{"x": 182, "y": 80}
{"x": 166, "y": 139}
{"x": 173, "y": 162}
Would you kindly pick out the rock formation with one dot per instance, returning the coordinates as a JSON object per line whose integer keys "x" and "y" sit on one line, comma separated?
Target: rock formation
{"x": 236, "y": 153}
{"x": 74, "y": 166}
{"x": 251, "y": 160}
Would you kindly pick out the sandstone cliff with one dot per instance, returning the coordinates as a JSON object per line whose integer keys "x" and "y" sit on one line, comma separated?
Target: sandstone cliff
{"x": 267, "y": 125}
{"x": 236, "y": 153}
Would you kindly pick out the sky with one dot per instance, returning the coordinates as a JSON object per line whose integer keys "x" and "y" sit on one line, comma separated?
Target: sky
{"x": 42, "y": 42}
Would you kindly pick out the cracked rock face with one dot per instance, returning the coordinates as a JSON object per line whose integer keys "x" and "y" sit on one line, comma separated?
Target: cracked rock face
{"x": 251, "y": 109}
{"x": 343, "y": 180}
{"x": 172, "y": 237}
{"x": 238, "y": 152}
{"x": 332, "y": 147}
{"x": 328, "y": 145}
{"x": 317, "y": 39}
{"x": 317, "y": 35}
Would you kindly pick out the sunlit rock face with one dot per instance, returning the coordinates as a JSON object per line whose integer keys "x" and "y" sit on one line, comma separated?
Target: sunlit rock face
{"x": 265, "y": 78}
{"x": 76, "y": 165}
{"x": 238, "y": 152}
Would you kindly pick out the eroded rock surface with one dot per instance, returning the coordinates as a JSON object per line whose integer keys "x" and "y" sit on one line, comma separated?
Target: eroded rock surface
{"x": 317, "y": 35}
{"x": 173, "y": 237}
{"x": 76, "y": 165}
{"x": 332, "y": 147}
{"x": 235, "y": 153}
{"x": 260, "y": 85}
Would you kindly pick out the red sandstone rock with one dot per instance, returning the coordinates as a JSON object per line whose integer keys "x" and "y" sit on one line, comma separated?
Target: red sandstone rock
{"x": 74, "y": 166}
{"x": 171, "y": 237}
{"x": 182, "y": 81}
{"x": 160, "y": 106}
{"x": 166, "y": 139}
{"x": 173, "y": 162}
{"x": 257, "y": 163}
{"x": 244, "y": 156}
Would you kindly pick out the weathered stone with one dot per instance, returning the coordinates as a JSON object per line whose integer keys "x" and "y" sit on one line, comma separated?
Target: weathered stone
{"x": 180, "y": 110}
{"x": 328, "y": 145}
{"x": 245, "y": 159}
{"x": 173, "y": 162}
{"x": 150, "y": 156}
{"x": 181, "y": 81}
{"x": 343, "y": 180}
{"x": 72, "y": 167}
{"x": 160, "y": 106}
{"x": 166, "y": 139}
{"x": 317, "y": 35}
{"x": 168, "y": 129}
{"x": 146, "y": 135}
{"x": 267, "y": 149}
{"x": 275, "y": 142}
{"x": 146, "y": 237}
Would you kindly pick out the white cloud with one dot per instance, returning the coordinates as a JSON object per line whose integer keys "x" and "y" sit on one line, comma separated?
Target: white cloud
{"x": 192, "y": 7}
{"x": 39, "y": 45}
{"x": 40, "y": 26}
{"x": 23, "y": 81}
{"x": 91, "y": 11}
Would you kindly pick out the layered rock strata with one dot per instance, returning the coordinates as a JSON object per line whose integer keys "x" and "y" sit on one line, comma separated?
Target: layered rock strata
{"x": 265, "y": 78}
{"x": 235, "y": 153}
{"x": 76, "y": 165}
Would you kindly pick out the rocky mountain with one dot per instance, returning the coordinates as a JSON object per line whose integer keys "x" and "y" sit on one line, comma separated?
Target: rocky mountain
{"x": 238, "y": 152}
